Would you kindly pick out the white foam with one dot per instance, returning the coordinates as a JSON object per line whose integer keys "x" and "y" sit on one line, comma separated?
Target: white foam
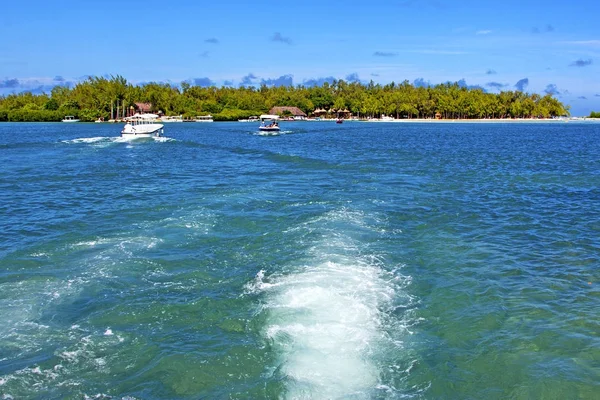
{"x": 88, "y": 140}
{"x": 163, "y": 139}
{"x": 326, "y": 320}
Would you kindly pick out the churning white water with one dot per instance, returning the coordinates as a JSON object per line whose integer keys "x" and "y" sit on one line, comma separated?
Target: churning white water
{"x": 326, "y": 319}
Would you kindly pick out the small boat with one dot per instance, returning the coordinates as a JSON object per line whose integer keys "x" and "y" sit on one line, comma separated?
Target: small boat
{"x": 270, "y": 127}
{"x": 269, "y": 123}
{"x": 70, "y": 118}
{"x": 99, "y": 120}
{"x": 141, "y": 126}
{"x": 173, "y": 118}
{"x": 253, "y": 118}
{"x": 339, "y": 120}
{"x": 204, "y": 118}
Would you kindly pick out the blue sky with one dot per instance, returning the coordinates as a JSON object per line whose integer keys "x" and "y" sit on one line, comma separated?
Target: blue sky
{"x": 535, "y": 46}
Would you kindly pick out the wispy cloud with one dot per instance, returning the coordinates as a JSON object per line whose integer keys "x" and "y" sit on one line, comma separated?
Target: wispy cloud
{"x": 203, "y": 82}
{"x": 249, "y": 79}
{"x": 463, "y": 84}
{"x": 548, "y": 28}
{"x": 496, "y": 85}
{"x": 374, "y": 74}
{"x": 318, "y": 81}
{"x": 490, "y": 72}
{"x": 597, "y": 95}
{"x": 284, "y": 80}
{"x": 551, "y": 89}
{"x": 277, "y": 37}
{"x": 385, "y": 54}
{"x": 212, "y": 40}
{"x": 227, "y": 83}
{"x": 582, "y": 98}
{"x": 204, "y": 54}
{"x": 353, "y": 77}
{"x": 483, "y": 32}
{"x": 581, "y": 63}
{"x": 420, "y": 82}
{"x": 522, "y": 84}
{"x": 35, "y": 85}
{"x": 9, "y": 83}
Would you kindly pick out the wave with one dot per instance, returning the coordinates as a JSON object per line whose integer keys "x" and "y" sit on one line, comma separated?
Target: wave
{"x": 277, "y": 133}
{"x": 104, "y": 141}
{"x": 331, "y": 321}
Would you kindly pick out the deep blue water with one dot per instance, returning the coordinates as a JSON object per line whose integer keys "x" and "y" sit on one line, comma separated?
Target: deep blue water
{"x": 353, "y": 261}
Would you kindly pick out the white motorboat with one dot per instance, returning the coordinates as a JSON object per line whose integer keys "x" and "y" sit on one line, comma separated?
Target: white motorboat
{"x": 172, "y": 118}
{"x": 204, "y": 118}
{"x": 70, "y": 118}
{"x": 253, "y": 118}
{"x": 384, "y": 118}
{"x": 141, "y": 126}
{"x": 269, "y": 123}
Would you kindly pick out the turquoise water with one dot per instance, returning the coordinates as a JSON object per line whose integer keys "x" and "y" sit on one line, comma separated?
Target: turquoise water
{"x": 353, "y": 261}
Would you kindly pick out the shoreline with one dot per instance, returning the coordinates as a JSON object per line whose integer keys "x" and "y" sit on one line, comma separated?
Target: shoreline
{"x": 486, "y": 121}
{"x": 396, "y": 121}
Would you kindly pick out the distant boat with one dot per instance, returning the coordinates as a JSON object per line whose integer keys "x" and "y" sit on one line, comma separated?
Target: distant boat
{"x": 269, "y": 123}
{"x": 173, "y": 118}
{"x": 141, "y": 126}
{"x": 70, "y": 118}
{"x": 253, "y": 118}
{"x": 204, "y": 118}
{"x": 384, "y": 118}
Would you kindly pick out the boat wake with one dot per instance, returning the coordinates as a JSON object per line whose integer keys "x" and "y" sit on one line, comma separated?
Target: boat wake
{"x": 273, "y": 133}
{"x": 104, "y": 141}
{"x": 331, "y": 321}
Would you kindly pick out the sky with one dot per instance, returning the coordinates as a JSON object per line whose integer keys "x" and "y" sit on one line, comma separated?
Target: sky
{"x": 529, "y": 45}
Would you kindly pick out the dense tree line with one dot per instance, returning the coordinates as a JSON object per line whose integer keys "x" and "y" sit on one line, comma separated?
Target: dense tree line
{"x": 595, "y": 114}
{"x": 102, "y": 97}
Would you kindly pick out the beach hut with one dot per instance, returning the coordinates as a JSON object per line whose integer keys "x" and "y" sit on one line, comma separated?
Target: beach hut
{"x": 345, "y": 113}
{"x": 319, "y": 112}
{"x": 293, "y": 111}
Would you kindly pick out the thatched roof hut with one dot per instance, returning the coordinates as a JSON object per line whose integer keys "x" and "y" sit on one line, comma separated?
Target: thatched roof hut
{"x": 295, "y": 111}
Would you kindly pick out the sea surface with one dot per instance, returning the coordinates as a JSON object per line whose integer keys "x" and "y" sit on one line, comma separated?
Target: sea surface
{"x": 352, "y": 261}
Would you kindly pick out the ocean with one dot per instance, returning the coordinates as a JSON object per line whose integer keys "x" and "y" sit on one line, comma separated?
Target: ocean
{"x": 330, "y": 261}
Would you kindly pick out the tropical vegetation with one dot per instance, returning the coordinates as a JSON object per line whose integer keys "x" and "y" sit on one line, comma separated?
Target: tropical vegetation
{"x": 101, "y": 97}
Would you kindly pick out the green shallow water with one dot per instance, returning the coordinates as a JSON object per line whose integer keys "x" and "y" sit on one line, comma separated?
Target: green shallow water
{"x": 354, "y": 261}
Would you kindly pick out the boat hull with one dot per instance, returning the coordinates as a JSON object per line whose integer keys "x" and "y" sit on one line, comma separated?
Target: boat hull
{"x": 140, "y": 131}
{"x": 134, "y": 136}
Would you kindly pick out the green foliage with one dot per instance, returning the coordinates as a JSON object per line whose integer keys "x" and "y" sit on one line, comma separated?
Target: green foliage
{"x": 595, "y": 114}
{"x": 230, "y": 114}
{"x": 24, "y": 115}
{"x": 51, "y": 104}
{"x": 114, "y": 97}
